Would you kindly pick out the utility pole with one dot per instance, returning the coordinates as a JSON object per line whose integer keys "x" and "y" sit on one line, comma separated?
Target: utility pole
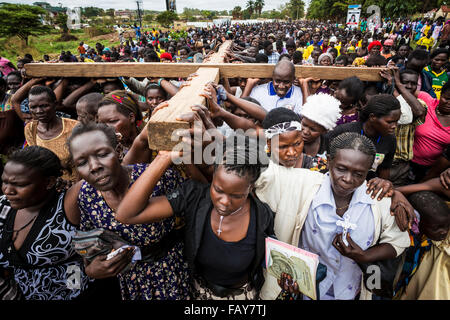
{"x": 139, "y": 2}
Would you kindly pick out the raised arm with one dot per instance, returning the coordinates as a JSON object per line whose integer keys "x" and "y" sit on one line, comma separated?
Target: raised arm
{"x": 61, "y": 89}
{"x": 168, "y": 87}
{"x": 21, "y": 94}
{"x": 433, "y": 185}
{"x": 137, "y": 207}
{"x": 139, "y": 151}
{"x": 251, "y": 83}
{"x": 235, "y": 122}
{"x": 252, "y": 109}
{"x": 418, "y": 110}
{"x": 72, "y": 98}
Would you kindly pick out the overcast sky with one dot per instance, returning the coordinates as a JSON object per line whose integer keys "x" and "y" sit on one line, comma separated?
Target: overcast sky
{"x": 158, "y": 5}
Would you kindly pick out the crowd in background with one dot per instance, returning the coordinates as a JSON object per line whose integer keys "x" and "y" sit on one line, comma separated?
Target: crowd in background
{"x": 75, "y": 158}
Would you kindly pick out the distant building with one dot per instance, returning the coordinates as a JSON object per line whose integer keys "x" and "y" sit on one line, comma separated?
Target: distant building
{"x": 124, "y": 13}
{"x": 52, "y": 11}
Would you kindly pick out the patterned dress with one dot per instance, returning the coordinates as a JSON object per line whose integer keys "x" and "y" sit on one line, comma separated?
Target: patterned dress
{"x": 166, "y": 279}
{"x": 46, "y": 261}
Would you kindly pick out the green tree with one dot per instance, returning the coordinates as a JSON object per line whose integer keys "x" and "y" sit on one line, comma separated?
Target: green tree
{"x": 149, "y": 18}
{"x": 296, "y": 9}
{"x": 250, "y": 7}
{"x": 22, "y": 20}
{"x": 61, "y": 22}
{"x": 259, "y": 5}
{"x": 110, "y": 12}
{"x": 166, "y": 18}
{"x": 209, "y": 15}
{"x": 237, "y": 12}
{"x": 89, "y": 12}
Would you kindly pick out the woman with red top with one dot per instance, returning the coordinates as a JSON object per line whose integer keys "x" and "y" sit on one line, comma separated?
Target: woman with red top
{"x": 432, "y": 137}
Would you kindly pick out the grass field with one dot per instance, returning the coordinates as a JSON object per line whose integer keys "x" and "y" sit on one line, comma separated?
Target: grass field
{"x": 14, "y": 47}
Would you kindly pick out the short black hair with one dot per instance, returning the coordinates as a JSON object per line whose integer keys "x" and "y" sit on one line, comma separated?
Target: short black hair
{"x": 353, "y": 87}
{"x": 379, "y": 105}
{"x": 439, "y": 51}
{"x": 261, "y": 58}
{"x": 155, "y": 86}
{"x": 38, "y": 158}
{"x": 92, "y": 99}
{"x": 378, "y": 60}
{"x": 343, "y": 58}
{"x": 82, "y": 128}
{"x": 334, "y": 50}
{"x": 15, "y": 74}
{"x": 297, "y": 56}
{"x": 429, "y": 205}
{"x": 419, "y": 54}
{"x": 409, "y": 71}
{"x": 284, "y": 55}
{"x": 267, "y": 43}
{"x": 279, "y": 115}
{"x": 38, "y": 90}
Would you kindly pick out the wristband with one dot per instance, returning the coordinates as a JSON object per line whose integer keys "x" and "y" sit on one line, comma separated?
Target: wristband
{"x": 159, "y": 81}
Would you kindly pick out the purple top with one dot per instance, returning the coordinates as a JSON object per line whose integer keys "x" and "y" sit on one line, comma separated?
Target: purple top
{"x": 347, "y": 118}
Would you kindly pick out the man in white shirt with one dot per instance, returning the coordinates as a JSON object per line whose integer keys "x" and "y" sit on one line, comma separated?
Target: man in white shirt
{"x": 280, "y": 92}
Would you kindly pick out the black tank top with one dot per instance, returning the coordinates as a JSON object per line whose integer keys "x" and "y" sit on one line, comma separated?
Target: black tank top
{"x": 226, "y": 263}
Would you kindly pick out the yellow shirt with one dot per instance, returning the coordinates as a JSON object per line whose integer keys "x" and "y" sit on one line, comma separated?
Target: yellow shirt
{"x": 308, "y": 52}
{"x": 56, "y": 144}
{"x": 427, "y": 42}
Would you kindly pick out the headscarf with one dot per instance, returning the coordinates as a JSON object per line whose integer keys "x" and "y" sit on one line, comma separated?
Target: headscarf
{"x": 281, "y": 128}
{"x": 123, "y": 99}
{"x": 323, "y": 109}
{"x": 375, "y": 43}
{"x": 323, "y": 55}
{"x": 166, "y": 55}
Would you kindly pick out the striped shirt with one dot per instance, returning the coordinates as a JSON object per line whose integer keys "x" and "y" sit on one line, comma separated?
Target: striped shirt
{"x": 405, "y": 137}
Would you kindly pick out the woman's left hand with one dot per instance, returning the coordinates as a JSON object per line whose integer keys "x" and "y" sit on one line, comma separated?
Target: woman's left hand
{"x": 376, "y": 184}
{"x": 352, "y": 251}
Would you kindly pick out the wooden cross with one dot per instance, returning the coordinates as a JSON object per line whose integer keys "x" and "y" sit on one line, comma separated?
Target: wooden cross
{"x": 163, "y": 123}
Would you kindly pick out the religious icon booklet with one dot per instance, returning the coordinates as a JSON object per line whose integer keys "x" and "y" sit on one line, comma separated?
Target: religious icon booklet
{"x": 300, "y": 264}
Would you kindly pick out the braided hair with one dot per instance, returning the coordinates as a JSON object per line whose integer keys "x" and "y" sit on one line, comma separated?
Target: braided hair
{"x": 352, "y": 141}
{"x": 242, "y": 156}
{"x": 38, "y": 158}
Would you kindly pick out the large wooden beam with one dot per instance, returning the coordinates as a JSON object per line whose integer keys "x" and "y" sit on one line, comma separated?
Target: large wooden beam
{"x": 175, "y": 70}
{"x": 163, "y": 123}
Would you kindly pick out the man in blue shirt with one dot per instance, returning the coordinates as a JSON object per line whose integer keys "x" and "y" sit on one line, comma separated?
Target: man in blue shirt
{"x": 281, "y": 91}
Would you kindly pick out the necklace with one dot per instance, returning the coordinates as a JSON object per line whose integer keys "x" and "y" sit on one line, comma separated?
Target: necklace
{"x": 17, "y": 232}
{"x": 344, "y": 207}
{"x": 441, "y": 114}
{"x": 219, "y": 230}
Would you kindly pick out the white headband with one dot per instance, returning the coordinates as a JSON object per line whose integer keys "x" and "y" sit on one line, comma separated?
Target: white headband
{"x": 283, "y": 127}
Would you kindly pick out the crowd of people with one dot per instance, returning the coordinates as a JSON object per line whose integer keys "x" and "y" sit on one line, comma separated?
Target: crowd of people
{"x": 317, "y": 154}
